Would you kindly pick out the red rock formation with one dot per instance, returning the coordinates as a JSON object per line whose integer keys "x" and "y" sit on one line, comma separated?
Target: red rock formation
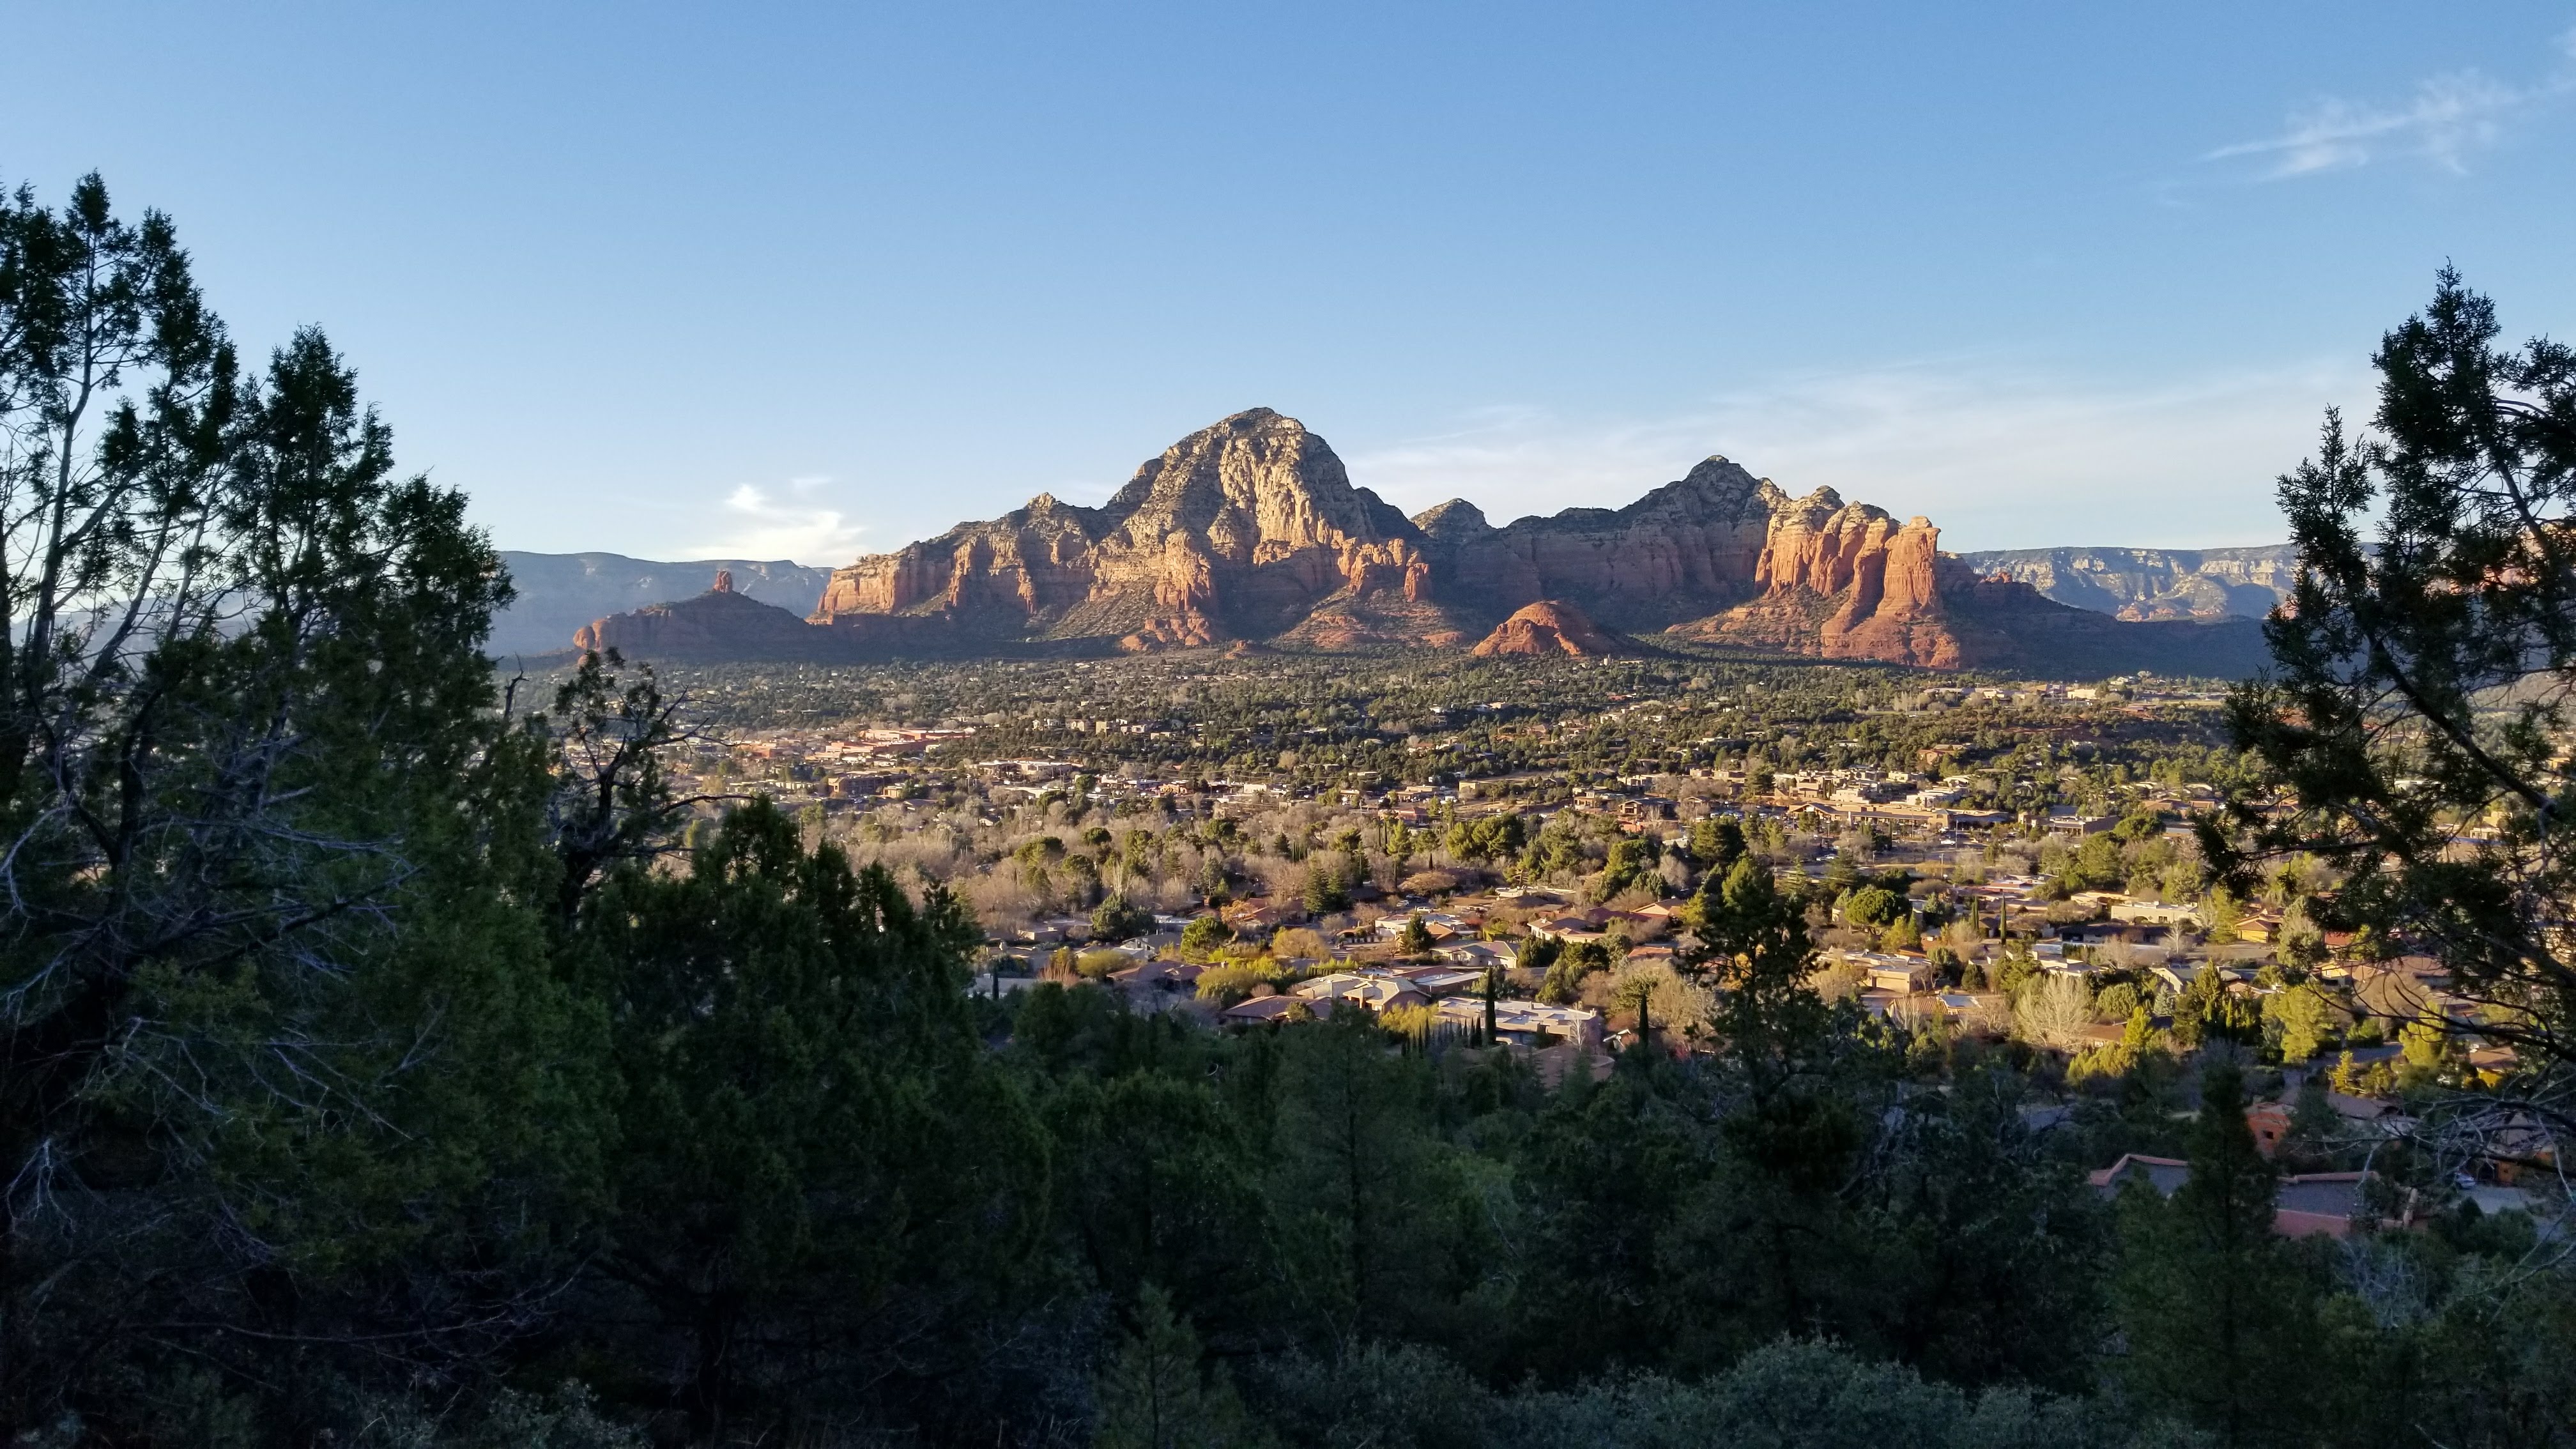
{"x": 1251, "y": 530}
{"x": 718, "y": 624}
{"x": 1238, "y": 530}
{"x": 1846, "y": 581}
{"x": 1550, "y": 627}
{"x": 1685, "y": 549}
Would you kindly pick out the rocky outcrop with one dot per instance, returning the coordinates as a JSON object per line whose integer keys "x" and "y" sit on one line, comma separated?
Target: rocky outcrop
{"x": 557, "y": 593}
{"x": 1251, "y": 530}
{"x": 1241, "y": 530}
{"x": 1902, "y": 601}
{"x": 1686, "y": 548}
{"x": 1550, "y": 628}
{"x": 1840, "y": 580}
{"x": 2152, "y": 583}
{"x": 720, "y": 624}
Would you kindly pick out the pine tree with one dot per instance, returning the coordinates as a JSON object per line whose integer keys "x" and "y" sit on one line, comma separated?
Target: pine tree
{"x": 1154, "y": 1394}
{"x": 1415, "y": 939}
{"x": 1771, "y": 1232}
{"x": 2213, "y": 1305}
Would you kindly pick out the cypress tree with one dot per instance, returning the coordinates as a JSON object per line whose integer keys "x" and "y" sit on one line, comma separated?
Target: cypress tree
{"x": 2212, "y": 1303}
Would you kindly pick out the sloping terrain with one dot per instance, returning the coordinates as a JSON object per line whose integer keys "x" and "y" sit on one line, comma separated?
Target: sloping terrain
{"x": 1548, "y": 627}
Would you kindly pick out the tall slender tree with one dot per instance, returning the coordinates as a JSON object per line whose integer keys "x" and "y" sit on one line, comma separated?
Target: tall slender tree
{"x": 2214, "y": 1309}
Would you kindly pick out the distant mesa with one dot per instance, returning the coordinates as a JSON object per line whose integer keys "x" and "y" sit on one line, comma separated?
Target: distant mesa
{"x": 1249, "y": 533}
{"x": 1550, "y": 627}
{"x": 2153, "y": 583}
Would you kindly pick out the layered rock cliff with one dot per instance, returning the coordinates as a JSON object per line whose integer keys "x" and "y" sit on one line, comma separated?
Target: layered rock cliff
{"x": 1242, "y": 530}
{"x": 1841, "y": 581}
{"x": 1251, "y": 531}
{"x": 1846, "y": 581}
{"x": 2152, "y": 583}
{"x": 1684, "y": 549}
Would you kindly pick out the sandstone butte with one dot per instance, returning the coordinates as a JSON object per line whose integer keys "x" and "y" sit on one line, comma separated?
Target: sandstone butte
{"x": 717, "y": 625}
{"x": 1251, "y": 532}
{"x": 1549, "y": 627}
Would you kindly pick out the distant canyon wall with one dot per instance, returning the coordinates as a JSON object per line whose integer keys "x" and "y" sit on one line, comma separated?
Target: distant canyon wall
{"x": 2151, "y": 583}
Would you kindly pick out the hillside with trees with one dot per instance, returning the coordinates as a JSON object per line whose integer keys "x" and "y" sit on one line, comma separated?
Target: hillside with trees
{"x": 394, "y": 1052}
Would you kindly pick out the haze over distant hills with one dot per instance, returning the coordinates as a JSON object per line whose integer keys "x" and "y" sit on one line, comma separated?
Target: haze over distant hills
{"x": 561, "y": 592}
{"x": 2152, "y": 583}
{"x": 1251, "y": 531}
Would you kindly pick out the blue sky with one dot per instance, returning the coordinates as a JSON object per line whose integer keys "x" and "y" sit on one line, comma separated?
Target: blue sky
{"x": 808, "y": 281}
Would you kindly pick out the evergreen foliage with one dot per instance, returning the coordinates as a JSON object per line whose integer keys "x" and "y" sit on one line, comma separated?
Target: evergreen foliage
{"x": 388, "y": 1062}
{"x": 2213, "y": 1305}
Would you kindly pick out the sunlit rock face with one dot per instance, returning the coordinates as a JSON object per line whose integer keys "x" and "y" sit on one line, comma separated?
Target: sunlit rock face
{"x": 1550, "y": 628}
{"x": 1251, "y": 532}
{"x": 1238, "y": 531}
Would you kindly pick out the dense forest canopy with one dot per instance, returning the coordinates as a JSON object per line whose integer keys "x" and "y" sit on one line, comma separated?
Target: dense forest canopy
{"x": 394, "y": 1057}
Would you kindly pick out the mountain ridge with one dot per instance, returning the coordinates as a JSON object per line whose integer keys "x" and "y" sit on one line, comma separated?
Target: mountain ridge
{"x": 1250, "y": 531}
{"x": 559, "y": 593}
{"x": 2152, "y": 583}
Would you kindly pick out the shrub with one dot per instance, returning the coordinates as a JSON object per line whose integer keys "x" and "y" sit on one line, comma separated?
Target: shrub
{"x": 1873, "y": 906}
{"x": 1227, "y": 984}
{"x": 2116, "y": 1002}
{"x": 1116, "y": 920}
{"x": 1299, "y": 943}
{"x": 1202, "y": 936}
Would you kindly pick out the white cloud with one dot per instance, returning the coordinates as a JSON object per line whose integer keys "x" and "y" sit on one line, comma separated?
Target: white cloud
{"x": 759, "y": 524}
{"x": 2449, "y": 118}
{"x": 1999, "y": 457}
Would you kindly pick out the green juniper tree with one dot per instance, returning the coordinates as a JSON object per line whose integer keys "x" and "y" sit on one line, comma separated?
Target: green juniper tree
{"x": 808, "y": 1125}
{"x": 279, "y": 1058}
{"x": 2416, "y": 719}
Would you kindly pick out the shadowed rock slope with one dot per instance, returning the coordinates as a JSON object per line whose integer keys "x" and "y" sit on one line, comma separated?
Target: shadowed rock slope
{"x": 719, "y": 625}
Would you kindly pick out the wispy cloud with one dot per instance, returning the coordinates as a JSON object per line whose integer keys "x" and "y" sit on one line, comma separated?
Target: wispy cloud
{"x": 2448, "y": 119}
{"x": 2000, "y": 456}
{"x": 760, "y": 523}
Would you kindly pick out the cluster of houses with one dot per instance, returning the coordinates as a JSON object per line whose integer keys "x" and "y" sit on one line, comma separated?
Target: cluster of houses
{"x": 2340, "y": 1204}
{"x": 2307, "y": 1204}
{"x": 1365, "y": 967}
{"x": 2164, "y": 945}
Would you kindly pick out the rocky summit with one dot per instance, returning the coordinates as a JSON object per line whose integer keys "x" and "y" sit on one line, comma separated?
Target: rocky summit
{"x": 721, "y": 624}
{"x": 1550, "y": 627}
{"x": 1246, "y": 530}
{"x": 1251, "y": 532}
